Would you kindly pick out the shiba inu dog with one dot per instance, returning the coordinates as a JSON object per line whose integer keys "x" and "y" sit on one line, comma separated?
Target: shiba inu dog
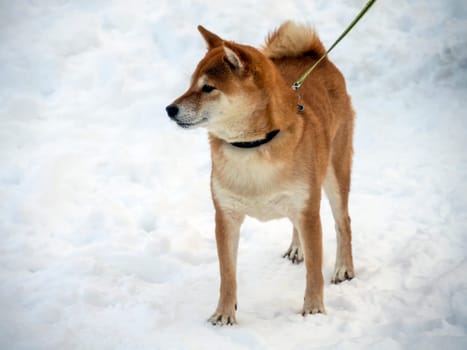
{"x": 270, "y": 159}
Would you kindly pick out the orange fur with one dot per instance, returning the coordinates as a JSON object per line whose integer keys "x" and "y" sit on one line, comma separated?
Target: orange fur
{"x": 251, "y": 96}
{"x": 292, "y": 40}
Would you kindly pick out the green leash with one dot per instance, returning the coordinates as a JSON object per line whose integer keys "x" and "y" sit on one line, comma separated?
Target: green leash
{"x": 300, "y": 81}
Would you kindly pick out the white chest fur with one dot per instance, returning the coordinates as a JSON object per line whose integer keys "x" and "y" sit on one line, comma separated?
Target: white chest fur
{"x": 255, "y": 185}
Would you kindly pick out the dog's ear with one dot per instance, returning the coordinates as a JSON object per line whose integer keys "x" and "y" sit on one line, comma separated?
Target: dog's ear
{"x": 212, "y": 40}
{"x": 233, "y": 60}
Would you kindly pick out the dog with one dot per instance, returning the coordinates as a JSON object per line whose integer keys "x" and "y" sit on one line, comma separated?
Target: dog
{"x": 273, "y": 149}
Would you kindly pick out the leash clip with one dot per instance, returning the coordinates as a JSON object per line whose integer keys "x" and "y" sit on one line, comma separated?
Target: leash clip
{"x": 296, "y": 86}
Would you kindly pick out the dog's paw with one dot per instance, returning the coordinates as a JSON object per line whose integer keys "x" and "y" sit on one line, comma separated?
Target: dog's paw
{"x": 313, "y": 307}
{"x": 342, "y": 273}
{"x": 223, "y": 318}
{"x": 294, "y": 254}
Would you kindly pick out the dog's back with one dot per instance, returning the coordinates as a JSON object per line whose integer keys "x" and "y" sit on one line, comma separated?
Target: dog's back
{"x": 294, "y": 48}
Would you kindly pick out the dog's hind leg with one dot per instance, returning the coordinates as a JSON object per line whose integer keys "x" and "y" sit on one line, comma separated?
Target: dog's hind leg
{"x": 295, "y": 252}
{"x": 344, "y": 264}
{"x": 337, "y": 187}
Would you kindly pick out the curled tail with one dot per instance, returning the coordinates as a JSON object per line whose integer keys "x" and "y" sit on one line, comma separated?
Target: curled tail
{"x": 293, "y": 40}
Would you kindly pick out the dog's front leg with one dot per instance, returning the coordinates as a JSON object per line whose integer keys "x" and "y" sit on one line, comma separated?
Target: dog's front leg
{"x": 311, "y": 236}
{"x": 227, "y": 235}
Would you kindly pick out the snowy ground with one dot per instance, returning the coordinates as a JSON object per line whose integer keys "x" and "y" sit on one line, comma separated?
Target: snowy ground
{"x": 106, "y": 223}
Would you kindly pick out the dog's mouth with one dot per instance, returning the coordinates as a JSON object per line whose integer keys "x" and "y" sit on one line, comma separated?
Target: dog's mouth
{"x": 191, "y": 125}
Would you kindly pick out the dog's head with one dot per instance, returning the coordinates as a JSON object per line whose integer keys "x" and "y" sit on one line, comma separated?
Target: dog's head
{"x": 229, "y": 92}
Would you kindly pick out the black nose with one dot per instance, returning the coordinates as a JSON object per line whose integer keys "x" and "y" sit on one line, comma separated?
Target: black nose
{"x": 172, "y": 110}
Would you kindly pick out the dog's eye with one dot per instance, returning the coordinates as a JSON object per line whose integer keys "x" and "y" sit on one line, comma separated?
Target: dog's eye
{"x": 207, "y": 88}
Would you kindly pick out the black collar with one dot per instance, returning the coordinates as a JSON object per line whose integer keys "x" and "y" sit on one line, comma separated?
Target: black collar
{"x": 252, "y": 144}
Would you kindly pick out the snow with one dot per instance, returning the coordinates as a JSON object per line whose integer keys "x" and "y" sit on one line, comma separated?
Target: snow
{"x": 106, "y": 222}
